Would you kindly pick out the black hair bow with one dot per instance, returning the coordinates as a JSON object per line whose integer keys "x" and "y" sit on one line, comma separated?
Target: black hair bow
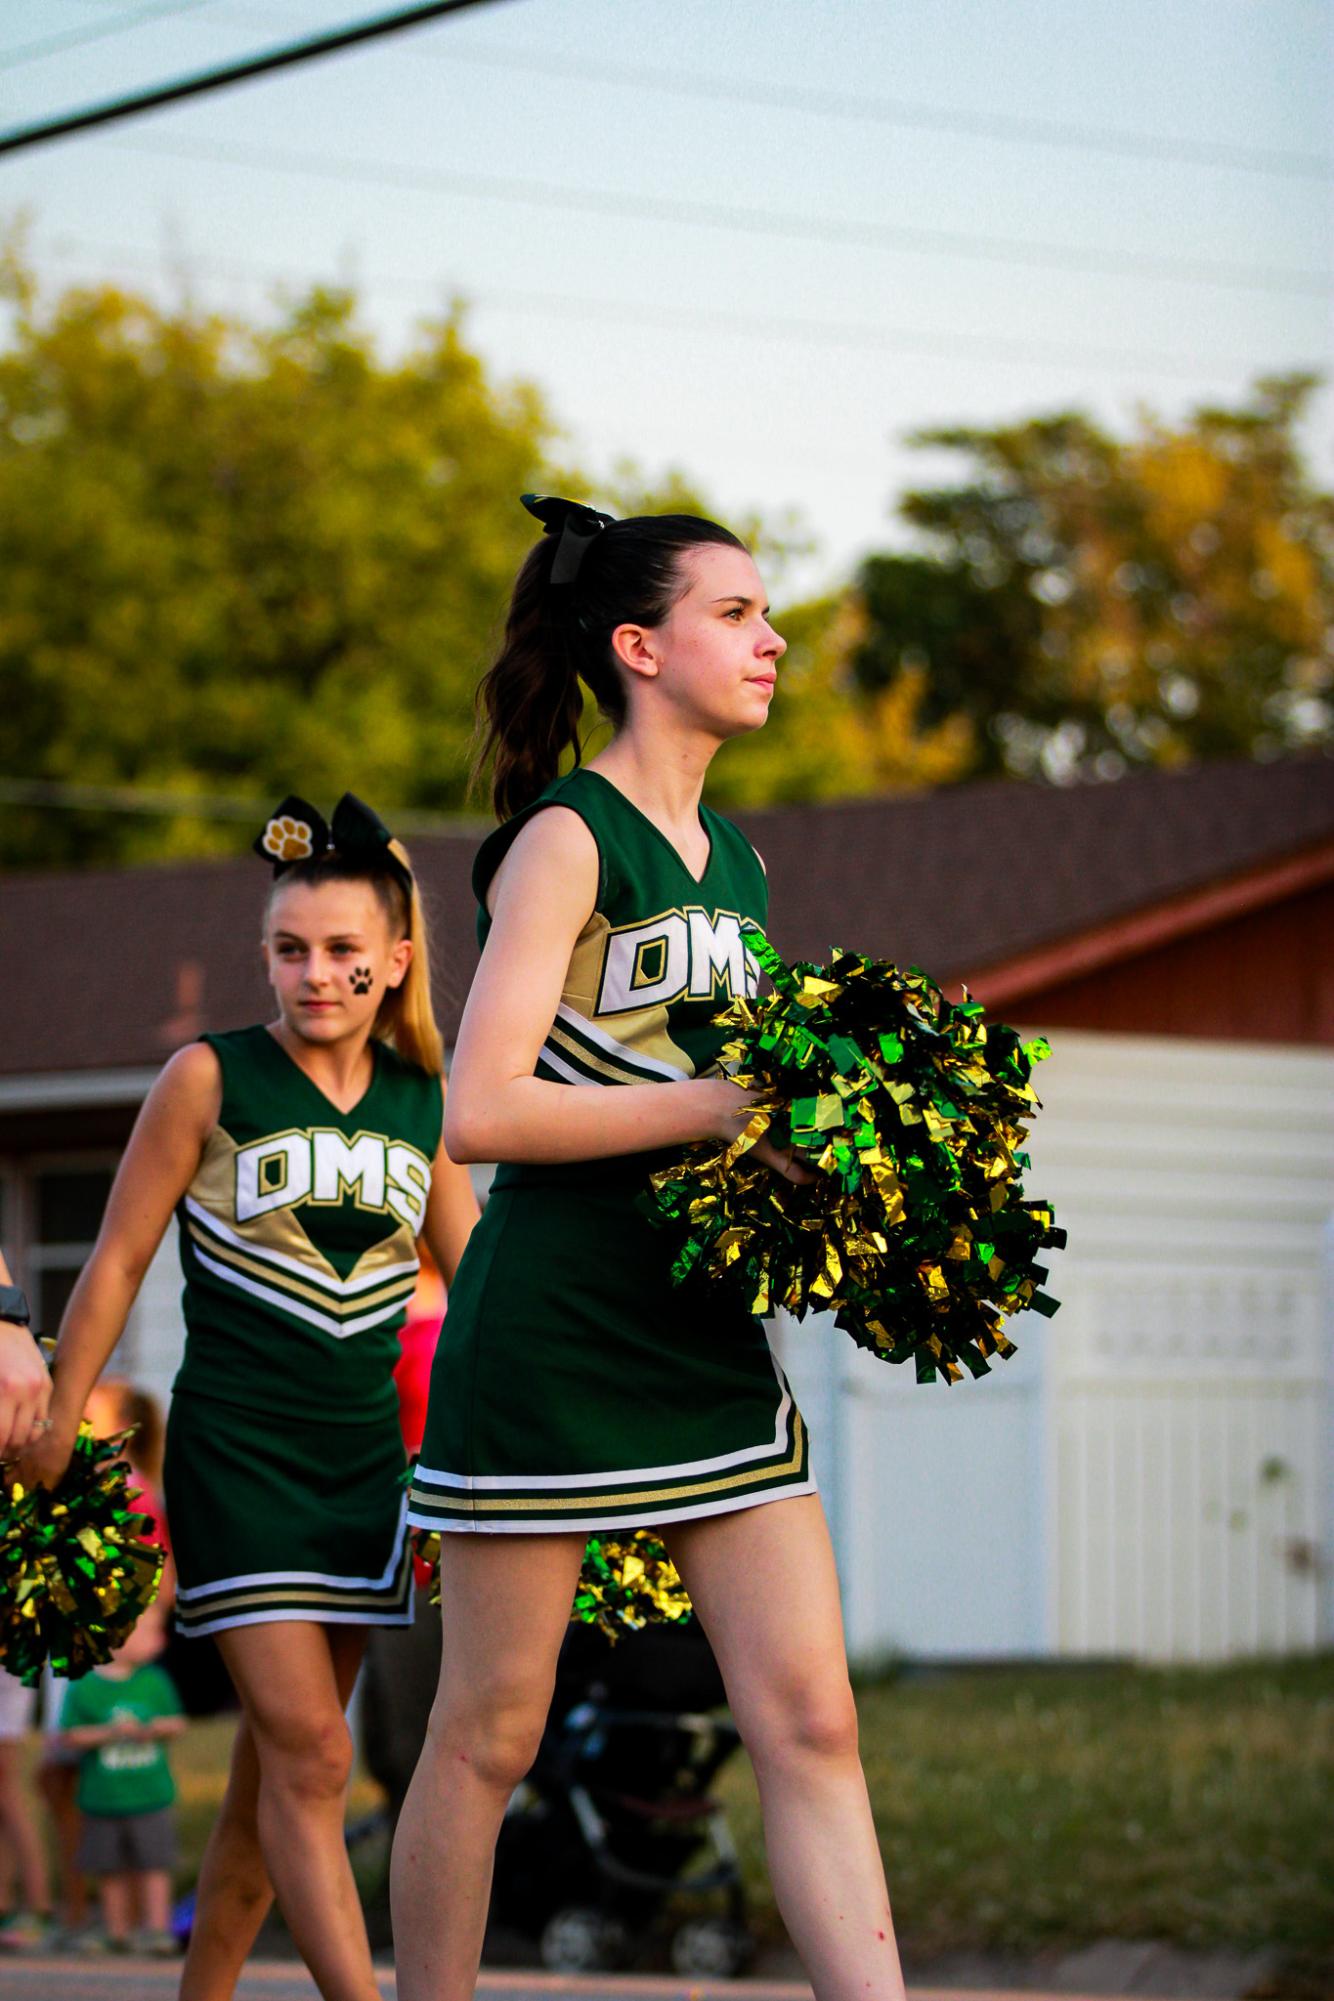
{"x": 295, "y": 832}
{"x": 577, "y": 526}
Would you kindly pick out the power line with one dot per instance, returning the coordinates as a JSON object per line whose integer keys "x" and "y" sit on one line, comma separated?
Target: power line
{"x": 1018, "y": 350}
{"x": 21, "y": 137}
{"x": 745, "y": 221}
{"x": 915, "y": 117}
{"x": 77, "y": 38}
{"x": 1007, "y": 127}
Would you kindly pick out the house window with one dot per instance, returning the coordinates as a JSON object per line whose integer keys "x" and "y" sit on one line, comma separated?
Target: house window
{"x": 64, "y": 1202}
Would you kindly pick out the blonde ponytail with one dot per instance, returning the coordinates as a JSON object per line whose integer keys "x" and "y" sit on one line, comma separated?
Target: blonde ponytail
{"x": 406, "y": 1019}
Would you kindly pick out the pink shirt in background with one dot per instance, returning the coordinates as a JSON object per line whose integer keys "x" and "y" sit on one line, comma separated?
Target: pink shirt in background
{"x": 412, "y": 1376}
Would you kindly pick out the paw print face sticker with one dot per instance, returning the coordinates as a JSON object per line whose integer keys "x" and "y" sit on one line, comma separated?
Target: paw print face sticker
{"x": 361, "y": 980}
{"x": 288, "y": 840}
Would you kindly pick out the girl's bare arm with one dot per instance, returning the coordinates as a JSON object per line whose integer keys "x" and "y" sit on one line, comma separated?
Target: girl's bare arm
{"x": 158, "y": 1166}
{"x": 544, "y": 894}
{"x": 451, "y": 1211}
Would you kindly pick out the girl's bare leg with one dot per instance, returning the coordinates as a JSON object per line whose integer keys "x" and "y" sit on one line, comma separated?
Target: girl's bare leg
{"x": 765, "y": 1590}
{"x": 20, "y": 1830}
{"x": 234, "y": 1891}
{"x": 506, "y": 1602}
{"x": 281, "y": 1823}
{"x": 58, "y": 1785}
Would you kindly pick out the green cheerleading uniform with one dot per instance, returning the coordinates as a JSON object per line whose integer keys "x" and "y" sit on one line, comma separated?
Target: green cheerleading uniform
{"x": 298, "y": 1234}
{"x": 574, "y": 1387}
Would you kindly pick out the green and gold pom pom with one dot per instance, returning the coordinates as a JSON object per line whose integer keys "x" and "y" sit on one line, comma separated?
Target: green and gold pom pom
{"x": 912, "y": 1110}
{"x": 626, "y": 1582}
{"x": 75, "y": 1573}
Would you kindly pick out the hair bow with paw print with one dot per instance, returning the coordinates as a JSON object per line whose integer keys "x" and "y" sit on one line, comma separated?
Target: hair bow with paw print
{"x": 295, "y": 832}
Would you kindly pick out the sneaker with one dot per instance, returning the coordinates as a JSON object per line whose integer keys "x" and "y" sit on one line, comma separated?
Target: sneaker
{"x": 92, "y": 1942}
{"x": 71, "y": 1940}
{"x": 26, "y": 1931}
{"x": 155, "y": 1945}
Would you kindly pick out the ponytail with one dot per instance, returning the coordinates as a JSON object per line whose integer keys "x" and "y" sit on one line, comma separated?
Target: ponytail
{"x": 530, "y": 703}
{"x": 558, "y": 635}
{"x": 406, "y": 1018}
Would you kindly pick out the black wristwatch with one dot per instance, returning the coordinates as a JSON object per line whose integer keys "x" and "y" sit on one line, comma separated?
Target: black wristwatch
{"x": 14, "y": 1305}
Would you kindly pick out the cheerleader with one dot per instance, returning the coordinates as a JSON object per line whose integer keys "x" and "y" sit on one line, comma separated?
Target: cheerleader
{"x": 575, "y": 1388}
{"x": 303, "y": 1159}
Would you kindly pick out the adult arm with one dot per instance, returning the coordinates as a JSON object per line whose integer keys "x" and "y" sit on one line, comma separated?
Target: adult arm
{"x": 25, "y": 1385}
{"x": 158, "y": 1166}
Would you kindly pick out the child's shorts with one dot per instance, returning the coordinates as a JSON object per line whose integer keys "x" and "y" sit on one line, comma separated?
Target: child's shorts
{"x": 115, "y": 1844}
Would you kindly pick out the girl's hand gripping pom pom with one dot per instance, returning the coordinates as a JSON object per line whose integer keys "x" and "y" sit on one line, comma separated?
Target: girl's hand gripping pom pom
{"x": 907, "y": 1114}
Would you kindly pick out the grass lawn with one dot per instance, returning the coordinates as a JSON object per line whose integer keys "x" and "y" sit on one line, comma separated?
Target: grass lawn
{"x": 1027, "y": 1809}
{"x": 1021, "y": 1809}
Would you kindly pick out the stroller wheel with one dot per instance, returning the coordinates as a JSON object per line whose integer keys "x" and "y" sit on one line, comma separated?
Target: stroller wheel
{"x": 580, "y": 1940}
{"x": 719, "y": 1948}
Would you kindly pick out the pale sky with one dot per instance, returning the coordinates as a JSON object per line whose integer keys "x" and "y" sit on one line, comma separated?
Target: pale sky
{"x": 761, "y": 241}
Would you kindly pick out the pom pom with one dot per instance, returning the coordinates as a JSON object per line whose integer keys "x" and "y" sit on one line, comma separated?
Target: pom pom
{"x": 626, "y": 1582}
{"x": 75, "y": 1575}
{"x": 915, "y": 1232}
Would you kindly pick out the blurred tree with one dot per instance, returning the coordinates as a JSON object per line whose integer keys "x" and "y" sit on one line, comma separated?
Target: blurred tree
{"x": 1093, "y": 604}
{"x": 238, "y": 559}
{"x": 235, "y": 559}
{"x": 967, "y": 641}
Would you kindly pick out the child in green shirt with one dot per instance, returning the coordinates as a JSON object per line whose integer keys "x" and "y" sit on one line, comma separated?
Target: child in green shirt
{"x": 119, "y": 1719}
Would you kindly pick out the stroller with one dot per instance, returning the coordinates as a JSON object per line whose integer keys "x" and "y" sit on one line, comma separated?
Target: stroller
{"x": 613, "y": 1834}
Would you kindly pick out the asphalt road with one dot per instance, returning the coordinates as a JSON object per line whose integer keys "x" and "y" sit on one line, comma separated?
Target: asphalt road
{"x": 146, "y": 1980}
{"x": 40, "y": 1979}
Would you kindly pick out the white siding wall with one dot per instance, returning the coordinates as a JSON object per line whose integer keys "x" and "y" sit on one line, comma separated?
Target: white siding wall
{"x": 149, "y": 1351}
{"x": 935, "y": 1495}
{"x": 1191, "y": 1363}
{"x": 1151, "y": 1475}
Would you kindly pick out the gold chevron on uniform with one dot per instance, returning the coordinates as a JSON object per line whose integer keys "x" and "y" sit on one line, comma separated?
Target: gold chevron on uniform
{"x": 298, "y": 1238}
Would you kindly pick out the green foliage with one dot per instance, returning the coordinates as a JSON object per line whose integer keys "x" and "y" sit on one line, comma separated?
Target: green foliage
{"x": 242, "y": 558}
{"x": 969, "y": 640}
{"x": 235, "y": 556}
{"x": 1096, "y": 603}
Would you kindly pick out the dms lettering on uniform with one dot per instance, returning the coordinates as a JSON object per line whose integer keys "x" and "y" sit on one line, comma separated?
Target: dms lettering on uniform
{"x": 321, "y": 1165}
{"x": 681, "y": 952}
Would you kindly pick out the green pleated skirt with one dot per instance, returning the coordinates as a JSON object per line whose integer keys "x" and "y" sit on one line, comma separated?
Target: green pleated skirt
{"x": 576, "y": 1389}
{"x": 275, "y": 1518}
